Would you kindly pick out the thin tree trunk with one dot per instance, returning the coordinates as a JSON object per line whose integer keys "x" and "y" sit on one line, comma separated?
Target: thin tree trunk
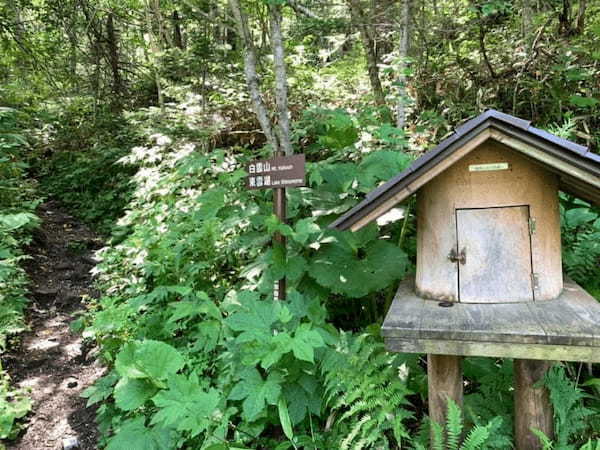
{"x": 404, "y": 47}
{"x": 162, "y": 36}
{"x": 564, "y": 18}
{"x": 281, "y": 88}
{"x": 177, "y": 36}
{"x": 251, "y": 74}
{"x": 580, "y": 21}
{"x": 360, "y": 20}
{"x": 526, "y": 17}
{"x": 154, "y": 48}
{"x": 113, "y": 56}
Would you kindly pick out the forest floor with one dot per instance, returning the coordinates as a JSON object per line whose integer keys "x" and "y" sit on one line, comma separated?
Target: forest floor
{"x": 55, "y": 363}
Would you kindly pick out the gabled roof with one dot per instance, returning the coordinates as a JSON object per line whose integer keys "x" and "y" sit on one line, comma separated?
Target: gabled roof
{"x": 578, "y": 168}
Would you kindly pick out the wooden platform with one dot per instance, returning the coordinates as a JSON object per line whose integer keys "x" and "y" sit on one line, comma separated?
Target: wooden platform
{"x": 564, "y": 329}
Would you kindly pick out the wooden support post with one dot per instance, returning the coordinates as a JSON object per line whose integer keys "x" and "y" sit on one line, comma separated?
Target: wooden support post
{"x": 532, "y": 404}
{"x": 444, "y": 375}
{"x": 279, "y": 208}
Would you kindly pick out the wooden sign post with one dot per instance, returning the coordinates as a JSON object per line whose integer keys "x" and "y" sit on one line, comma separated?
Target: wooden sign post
{"x": 279, "y": 173}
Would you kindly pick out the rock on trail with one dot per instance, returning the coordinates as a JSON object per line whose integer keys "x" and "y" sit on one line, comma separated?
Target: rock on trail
{"x": 51, "y": 360}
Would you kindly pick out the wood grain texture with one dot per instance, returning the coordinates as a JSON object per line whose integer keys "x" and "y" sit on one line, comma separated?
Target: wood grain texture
{"x": 444, "y": 381}
{"x": 497, "y": 267}
{"x": 533, "y": 409}
{"x": 567, "y": 328}
{"x": 544, "y": 352}
{"x": 525, "y": 183}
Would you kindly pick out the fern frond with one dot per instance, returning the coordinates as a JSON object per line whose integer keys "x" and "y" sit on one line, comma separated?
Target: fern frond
{"x": 438, "y": 436}
{"x": 476, "y": 438}
{"x": 454, "y": 425}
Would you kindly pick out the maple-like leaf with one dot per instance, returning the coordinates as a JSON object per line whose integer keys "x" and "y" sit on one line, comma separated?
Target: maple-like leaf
{"x": 148, "y": 359}
{"x": 185, "y": 406}
{"x": 256, "y": 392}
{"x": 345, "y": 270}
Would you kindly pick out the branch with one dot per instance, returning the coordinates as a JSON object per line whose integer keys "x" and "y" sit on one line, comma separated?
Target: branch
{"x": 195, "y": 10}
{"x": 483, "y": 50}
{"x": 300, "y": 9}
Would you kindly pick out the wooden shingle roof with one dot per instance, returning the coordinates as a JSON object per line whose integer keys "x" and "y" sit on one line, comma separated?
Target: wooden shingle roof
{"x": 577, "y": 167}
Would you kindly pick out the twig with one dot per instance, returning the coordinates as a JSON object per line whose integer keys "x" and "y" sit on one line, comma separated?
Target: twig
{"x": 300, "y": 9}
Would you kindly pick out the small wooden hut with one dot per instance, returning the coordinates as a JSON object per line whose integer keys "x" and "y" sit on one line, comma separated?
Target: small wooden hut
{"x": 489, "y": 278}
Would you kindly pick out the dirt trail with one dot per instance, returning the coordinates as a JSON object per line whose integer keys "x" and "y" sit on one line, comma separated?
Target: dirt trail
{"x": 51, "y": 360}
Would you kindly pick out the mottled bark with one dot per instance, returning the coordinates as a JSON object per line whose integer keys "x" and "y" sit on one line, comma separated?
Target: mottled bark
{"x": 250, "y": 62}
{"x": 177, "y": 35}
{"x": 403, "y": 53}
{"x": 580, "y": 20}
{"x": 113, "y": 57}
{"x": 281, "y": 89}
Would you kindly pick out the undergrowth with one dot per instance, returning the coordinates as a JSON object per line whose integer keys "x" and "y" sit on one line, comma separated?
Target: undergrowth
{"x": 202, "y": 356}
{"x": 17, "y": 219}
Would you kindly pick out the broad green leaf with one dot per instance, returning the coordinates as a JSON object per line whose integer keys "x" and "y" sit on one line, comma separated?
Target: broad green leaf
{"x": 305, "y": 341}
{"x": 148, "y": 359}
{"x": 131, "y": 393}
{"x": 185, "y": 406}
{"x": 258, "y": 315}
{"x": 345, "y": 271}
{"x": 305, "y": 228}
{"x": 134, "y": 435}
{"x": 256, "y": 392}
{"x": 578, "y": 216}
{"x": 101, "y": 389}
{"x": 583, "y": 102}
{"x": 11, "y": 222}
{"x": 284, "y": 418}
{"x": 380, "y": 166}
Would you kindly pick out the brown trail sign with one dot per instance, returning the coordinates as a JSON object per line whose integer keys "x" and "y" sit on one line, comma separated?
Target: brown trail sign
{"x": 277, "y": 173}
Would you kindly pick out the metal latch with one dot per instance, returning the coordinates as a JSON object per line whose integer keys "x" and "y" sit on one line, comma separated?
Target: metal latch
{"x": 455, "y": 257}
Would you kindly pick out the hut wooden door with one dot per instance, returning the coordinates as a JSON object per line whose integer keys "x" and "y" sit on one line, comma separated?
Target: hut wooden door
{"x": 496, "y": 245}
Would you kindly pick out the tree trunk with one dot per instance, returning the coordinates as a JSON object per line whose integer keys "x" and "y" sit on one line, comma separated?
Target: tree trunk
{"x": 580, "y": 21}
{"x": 403, "y": 53}
{"x": 564, "y": 18}
{"x": 365, "y": 30}
{"x": 154, "y": 48}
{"x": 281, "y": 89}
{"x": 251, "y": 74}
{"x": 527, "y": 20}
{"x": 177, "y": 36}
{"x": 113, "y": 57}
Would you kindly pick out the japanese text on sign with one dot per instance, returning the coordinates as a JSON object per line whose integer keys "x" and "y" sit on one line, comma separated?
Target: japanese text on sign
{"x": 279, "y": 172}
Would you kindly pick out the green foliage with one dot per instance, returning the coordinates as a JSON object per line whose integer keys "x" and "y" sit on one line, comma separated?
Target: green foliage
{"x": 580, "y": 224}
{"x": 571, "y": 416}
{"x": 201, "y": 356}
{"x": 199, "y": 345}
{"x": 17, "y": 221}
{"x": 450, "y": 436}
{"x": 14, "y": 405}
{"x": 367, "y": 392}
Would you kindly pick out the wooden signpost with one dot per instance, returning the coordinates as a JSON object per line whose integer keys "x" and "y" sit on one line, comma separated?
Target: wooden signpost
{"x": 278, "y": 173}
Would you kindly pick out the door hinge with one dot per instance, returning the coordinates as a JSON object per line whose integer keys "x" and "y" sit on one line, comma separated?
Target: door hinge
{"x": 532, "y": 225}
{"x": 460, "y": 258}
{"x": 535, "y": 280}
